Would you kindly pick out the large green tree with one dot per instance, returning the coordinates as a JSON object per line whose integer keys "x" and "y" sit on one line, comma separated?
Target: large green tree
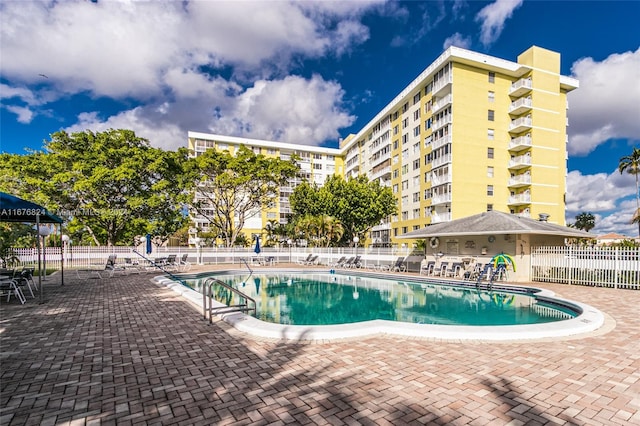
{"x": 356, "y": 204}
{"x": 233, "y": 188}
{"x": 112, "y": 185}
{"x": 631, "y": 164}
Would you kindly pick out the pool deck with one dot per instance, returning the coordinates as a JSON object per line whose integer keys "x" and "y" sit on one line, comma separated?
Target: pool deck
{"x": 126, "y": 350}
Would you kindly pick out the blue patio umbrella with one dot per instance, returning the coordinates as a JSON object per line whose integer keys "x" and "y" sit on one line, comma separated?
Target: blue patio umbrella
{"x": 149, "y": 244}
{"x": 257, "y": 247}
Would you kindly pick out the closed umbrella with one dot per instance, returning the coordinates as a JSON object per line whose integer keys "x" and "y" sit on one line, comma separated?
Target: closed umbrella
{"x": 257, "y": 248}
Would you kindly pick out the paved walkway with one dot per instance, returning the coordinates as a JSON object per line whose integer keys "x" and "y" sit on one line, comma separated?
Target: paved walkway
{"x": 128, "y": 351}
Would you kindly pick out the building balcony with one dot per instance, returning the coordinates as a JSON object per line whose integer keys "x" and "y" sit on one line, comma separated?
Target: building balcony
{"x": 442, "y": 122}
{"x": 520, "y": 106}
{"x": 380, "y": 158}
{"x": 385, "y": 171}
{"x": 441, "y": 199}
{"x": 520, "y": 180}
{"x": 437, "y": 143}
{"x": 443, "y": 85}
{"x": 382, "y": 227}
{"x": 520, "y": 125}
{"x": 520, "y": 162}
{"x": 519, "y": 199}
{"x": 520, "y": 87}
{"x": 441, "y": 161}
{"x": 440, "y": 217}
{"x": 441, "y": 103}
{"x": 524, "y": 214}
{"x": 441, "y": 179}
{"x": 520, "y": 143}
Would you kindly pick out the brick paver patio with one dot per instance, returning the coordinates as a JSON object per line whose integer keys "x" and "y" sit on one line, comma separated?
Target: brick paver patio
{"x": 125, "y": 351}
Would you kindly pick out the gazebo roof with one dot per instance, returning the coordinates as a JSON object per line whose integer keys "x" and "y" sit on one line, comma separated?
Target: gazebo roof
{"x": 495, "y": 222}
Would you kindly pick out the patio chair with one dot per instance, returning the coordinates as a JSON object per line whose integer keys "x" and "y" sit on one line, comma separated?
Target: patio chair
{"x": 427, "y": 267}
{"x": 9, "y": 286}
{"x": 111, "y": 267}
{"x": 348, "y": 262}
{"x": 304, "y": 261}
{"x": 131, "y": 266}
{"x": 24, "y": 278}
{"x": 339, "y": 262}
{"x": 441, "y": 270}
{"x": 453, "y": 270}
{"x": 399, "y": 265}
{"x": 356, "y": 262}
{"x": 183, "y": 264}
{"x": 313, "y": 260}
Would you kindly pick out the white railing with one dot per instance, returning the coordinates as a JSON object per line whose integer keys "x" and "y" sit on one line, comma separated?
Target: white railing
{"x": 617, "y": 267}
{"x": 520, "y": 141}
{"x": 441, "y": 103}
{"x": 520, "y": 179}
{"x": 440, "y": 161}
{"x": 523, "y": 102}
{"x": 521, "y": 160}
{"x": 522, "y": 83}
{"x": 438, "y": 142}
{"x": 520, "y": 122}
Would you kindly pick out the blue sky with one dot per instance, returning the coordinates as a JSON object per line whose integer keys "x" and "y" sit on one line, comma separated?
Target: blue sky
{"x": 308, "y": 72}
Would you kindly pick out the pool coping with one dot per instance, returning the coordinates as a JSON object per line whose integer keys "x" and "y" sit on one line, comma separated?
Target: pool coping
{"x": 589, "y": 320}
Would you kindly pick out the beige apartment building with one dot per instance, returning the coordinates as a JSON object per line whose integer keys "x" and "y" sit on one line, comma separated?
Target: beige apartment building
{"x": 471, "y": 133}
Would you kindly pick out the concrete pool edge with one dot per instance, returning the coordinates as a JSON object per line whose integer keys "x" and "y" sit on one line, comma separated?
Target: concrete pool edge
{"x": 590, "y": 320}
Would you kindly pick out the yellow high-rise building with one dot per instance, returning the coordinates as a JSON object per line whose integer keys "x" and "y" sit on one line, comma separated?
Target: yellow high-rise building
{"x": 471, "y": 133}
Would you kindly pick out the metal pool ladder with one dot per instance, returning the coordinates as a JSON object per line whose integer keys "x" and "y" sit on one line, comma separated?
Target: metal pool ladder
{"x": 207, "y": 300}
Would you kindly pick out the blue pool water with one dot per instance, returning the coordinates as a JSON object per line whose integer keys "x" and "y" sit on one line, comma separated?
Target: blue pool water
{"x": 324, "y": 299}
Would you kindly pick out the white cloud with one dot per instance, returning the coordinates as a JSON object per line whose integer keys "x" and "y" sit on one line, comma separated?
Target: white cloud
{"x": 606, "y": 104}
{"x": 124, "y": 48}
{"x": 457, "y": 40}
{"x": 610, "y": 197}
{"x": 271, "y": 110}
{"x": 25, "y": 115}
{"x": 493, "y": 17}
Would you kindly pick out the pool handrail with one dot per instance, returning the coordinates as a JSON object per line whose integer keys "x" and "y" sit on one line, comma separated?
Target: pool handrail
{"x": 207, "y": 300}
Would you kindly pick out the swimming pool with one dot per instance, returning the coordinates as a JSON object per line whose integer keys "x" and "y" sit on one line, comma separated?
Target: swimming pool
{"x": 321, "y": 305}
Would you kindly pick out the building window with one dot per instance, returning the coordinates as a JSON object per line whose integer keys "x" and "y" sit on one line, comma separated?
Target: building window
{"x": 490, "y": 190}
{"x": 405, "y": 123}
{"x": 416, "y": 115}
{"x": 492, "y": 96}
{"x": 405, "y": 107}
{"x": 405, "y": 216}
{"x": 489, "y": 152}
{"x": 405, "y": 169}
{"x": 416, "y": 213}
{"x": 405, "y": 185}
{"x": 490, "y": 134}
{"x": 490, "y": 114}
{"x": 405, "y": 138}
{"x": 395, "y": 188}
{"x": 395, "y": 144}
{"x": 492, "y": 77}
{"x": 317, "y": 166}
{"x": 317, "y": 156}
{"x": 396, "y": 173}
{"x": 489, "y": 207}
{"x": 405, "y": 229}
{"x": 416, "y": 197}
{"x": 416, "y": 98}
{"x": 416, "y": 131}
{"x": 416, "y": 164}
{"x": 490, "y": 171}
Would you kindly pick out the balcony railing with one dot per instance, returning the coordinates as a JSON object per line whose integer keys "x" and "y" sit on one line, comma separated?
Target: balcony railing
{"x": 442, "y": 83}
{"x": 442, "y": 179}
{"x": 521, "y": 161}
{"x": 521, "y": 87}
{"x": 441, "y": 122}
{"x": 520, "y": 124}
{"x": 520, "y": 180}
{"x": 441, "y": 103}
{"x": 520, "y": 143}
{"x": 437, "y": 143}
{"x": 520, "y": 106}
{"x": 441, "y": 161}
{"x": 440, "y": 217}
{"x": 440, "y": 199}
{"x": 520, "y": 199}
{"x": 380, "y": 173}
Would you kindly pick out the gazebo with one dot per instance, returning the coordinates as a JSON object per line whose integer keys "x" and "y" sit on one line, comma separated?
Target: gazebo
{"x": 487, "y": 234}
{"x": 14, "y": 209}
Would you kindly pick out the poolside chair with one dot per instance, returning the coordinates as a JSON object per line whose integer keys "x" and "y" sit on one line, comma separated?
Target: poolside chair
{"x": 356, "y": 262}
{"x": 427, "y": 267}
{"x": 304, "y": 261}
{"x": 399, "y": 265}
{"x": 131, "y": 266}
{"x": 313, "y": 260}
{"x": 111, "y": 266}
{"x": 453, "y": 270}
{"x": 183, "y": 264}
{"x": 441, "y": 270}
{"x": 348, "y": 262}
{"x": 339, "y": 262}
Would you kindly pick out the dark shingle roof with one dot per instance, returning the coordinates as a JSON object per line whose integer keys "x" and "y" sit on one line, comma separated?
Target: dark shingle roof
{"x": 495, "y": 222}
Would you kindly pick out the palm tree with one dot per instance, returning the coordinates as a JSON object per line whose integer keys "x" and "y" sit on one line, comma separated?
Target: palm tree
{"x": 631, "y": 164}
{"x": 331, "y": 229}
{"x": 585, "y": 221}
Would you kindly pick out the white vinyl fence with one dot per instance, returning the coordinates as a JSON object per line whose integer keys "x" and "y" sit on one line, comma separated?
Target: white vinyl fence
{"x": 79, "y": 257}
{"x": 616, "y": 267}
